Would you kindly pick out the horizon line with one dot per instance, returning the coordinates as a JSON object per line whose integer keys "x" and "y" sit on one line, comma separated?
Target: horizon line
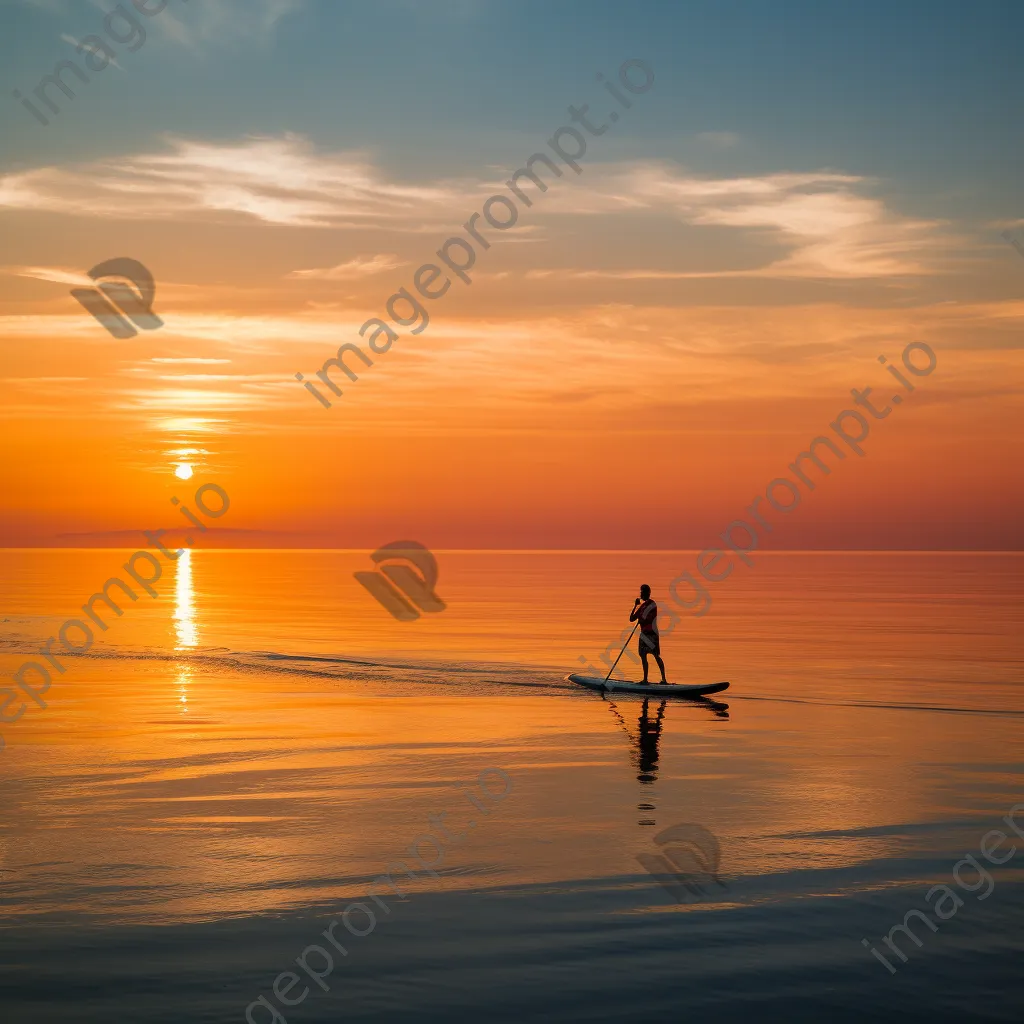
{"x": 566, "y": 551}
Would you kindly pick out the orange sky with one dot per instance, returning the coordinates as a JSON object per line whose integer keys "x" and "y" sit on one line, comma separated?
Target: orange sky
{"x": 632, "y": 365}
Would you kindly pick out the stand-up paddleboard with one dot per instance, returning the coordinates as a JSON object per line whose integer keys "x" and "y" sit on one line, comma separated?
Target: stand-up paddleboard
{"x": 656, "y": 689}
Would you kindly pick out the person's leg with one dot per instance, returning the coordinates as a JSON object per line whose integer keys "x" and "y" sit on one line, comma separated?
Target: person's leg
{"x": 643, "y": 658}
{"x": 661, "y": 665}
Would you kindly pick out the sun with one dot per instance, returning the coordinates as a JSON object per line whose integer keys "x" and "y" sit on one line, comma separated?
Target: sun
{"x": 183, "y": 471}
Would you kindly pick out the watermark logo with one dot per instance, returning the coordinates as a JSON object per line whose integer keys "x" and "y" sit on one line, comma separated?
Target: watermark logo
{"x": 135, "y": 302}
{"x": 686, "y": 862}
{"x": 399, "y": 587}
{"x": 1015, "y": 236}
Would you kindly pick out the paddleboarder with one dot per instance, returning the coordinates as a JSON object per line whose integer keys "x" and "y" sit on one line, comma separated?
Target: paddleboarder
{"x": 645, "y": 611}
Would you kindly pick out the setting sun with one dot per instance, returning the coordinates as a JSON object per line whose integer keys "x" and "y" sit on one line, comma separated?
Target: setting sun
{"x": 183, "y": 471}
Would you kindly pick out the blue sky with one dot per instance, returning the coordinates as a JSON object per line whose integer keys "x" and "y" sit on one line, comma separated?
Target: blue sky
{"x": 913, "y": 91}
{"x": 917, "y": 100}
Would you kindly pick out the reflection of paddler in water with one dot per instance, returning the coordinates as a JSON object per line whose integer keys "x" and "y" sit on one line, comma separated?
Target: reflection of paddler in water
{"x": 644, "y": 754}
{"x": 647, "y": 742}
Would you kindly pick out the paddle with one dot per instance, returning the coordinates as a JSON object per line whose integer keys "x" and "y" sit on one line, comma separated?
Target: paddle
{"x": 621, "y": 653}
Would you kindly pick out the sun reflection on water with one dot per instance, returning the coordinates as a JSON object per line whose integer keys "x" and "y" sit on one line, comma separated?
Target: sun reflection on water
{"x": 183, "y": 680}
{"x": 184, "y": 608}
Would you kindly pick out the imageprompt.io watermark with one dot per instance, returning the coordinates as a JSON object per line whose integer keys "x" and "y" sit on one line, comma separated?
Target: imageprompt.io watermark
{"x": 136, "y": 303}
{"x": 458, "y": 253}
{"x": 685, "y": 862}
{"x": 397, "y": 586}
{"x": 80, "y": 645}
{"x": 359, "y": 919}
{"x": 946, "y": 901}
{"x": 783, "y": 495}
{"x": 97, "y": 55}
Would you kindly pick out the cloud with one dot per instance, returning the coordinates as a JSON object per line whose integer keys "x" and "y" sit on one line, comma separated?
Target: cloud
{"x": 211, "y": 24}
{"x": 281, "y": 181}
{"x": 59, "y": 275}
{"x": 77, "y": 43}
{"x": 835, "y": 233}
{"x": 198, "y": 25}
{"x": 823, "y": 222}
{"x": 830, "y": 229}
{"x": 215, "y": 22}
{"x": 360, "y": 266}
{"x": 827, "y": 223}
{"x": 570, "y": 274}
{"x": 188, "y": 359}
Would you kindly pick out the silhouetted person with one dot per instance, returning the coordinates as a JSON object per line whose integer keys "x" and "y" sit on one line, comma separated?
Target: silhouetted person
{"x": 645, "y": 611}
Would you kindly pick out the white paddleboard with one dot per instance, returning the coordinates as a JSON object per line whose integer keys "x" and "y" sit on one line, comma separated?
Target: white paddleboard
{"x": 658, "y": 689}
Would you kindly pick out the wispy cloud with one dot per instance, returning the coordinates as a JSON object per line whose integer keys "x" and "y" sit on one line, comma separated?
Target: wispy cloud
{"x": 360, "y": 266}
{"x": 58, "y": 275}
{"x": 188, "y": 359}
{"x": 828, "y": 224}
{"x": 214, "y": 23}
{"x": 205, "y": 26}
{"x": 828, "y": 227}
{"x": 280, "y": 181}
{"x": 76, "y": 43}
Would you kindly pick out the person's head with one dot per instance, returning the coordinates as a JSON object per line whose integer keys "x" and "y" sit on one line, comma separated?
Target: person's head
{"x": 645, "y": 592}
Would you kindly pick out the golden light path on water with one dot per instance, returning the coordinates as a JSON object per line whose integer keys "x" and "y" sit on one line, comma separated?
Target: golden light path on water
{"x": 184, "y": 677}
{"x": 184, "y": 609}
{"x": 184, "y": 622}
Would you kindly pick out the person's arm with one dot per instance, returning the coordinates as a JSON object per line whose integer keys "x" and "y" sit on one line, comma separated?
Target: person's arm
{"x": 634, "y": 614}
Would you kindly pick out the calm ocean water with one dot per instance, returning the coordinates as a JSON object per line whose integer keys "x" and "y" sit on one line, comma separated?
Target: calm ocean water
{"x": 231, "y": 765}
